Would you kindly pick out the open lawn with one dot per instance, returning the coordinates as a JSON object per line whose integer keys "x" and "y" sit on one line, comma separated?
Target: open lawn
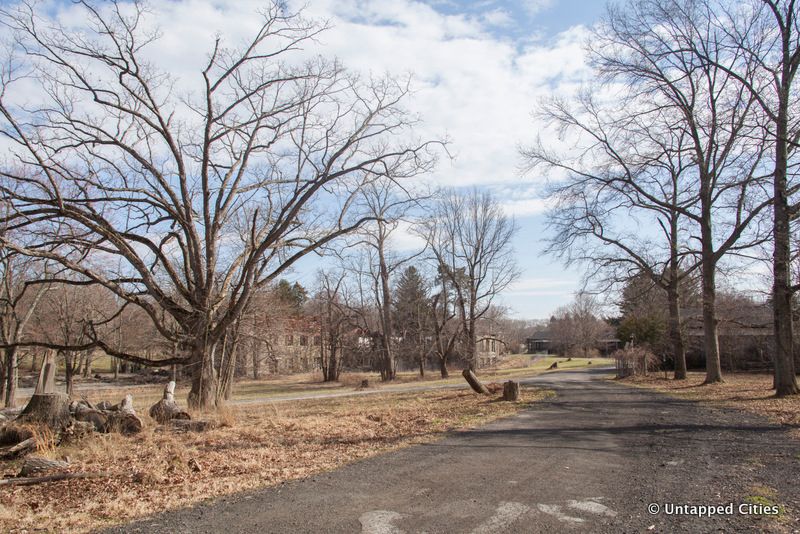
{"x": 276, "y": 386}
{"x": 751, "y": 392}
{"x": 253, "y": 446}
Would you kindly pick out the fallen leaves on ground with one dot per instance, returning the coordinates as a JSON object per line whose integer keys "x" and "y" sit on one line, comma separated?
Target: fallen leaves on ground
{"x": 254, "y": 446}
{"x": 745, "y": 391}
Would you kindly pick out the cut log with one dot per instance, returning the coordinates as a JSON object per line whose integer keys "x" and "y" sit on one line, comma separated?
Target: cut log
{"x": 474, "y": 383}
{"x": 13, "y": 434}
{"x": 98, "y": 419}
{"x": 104, "y": 405}
{"x": 124, "y": 420}
{"x": 167, "y": 409}
{"x": 511, "y": 391}
{"x": 38, "y": 465}
{"x": 126, "y": 405}
{"x": 20, "y": 449}
{"x": 50, "y": 409}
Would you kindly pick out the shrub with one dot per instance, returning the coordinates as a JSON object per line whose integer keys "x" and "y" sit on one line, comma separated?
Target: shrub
{"x": 635, "y": 361}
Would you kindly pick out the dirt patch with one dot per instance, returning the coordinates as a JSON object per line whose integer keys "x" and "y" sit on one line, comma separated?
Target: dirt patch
{"x": 255, "y": 446}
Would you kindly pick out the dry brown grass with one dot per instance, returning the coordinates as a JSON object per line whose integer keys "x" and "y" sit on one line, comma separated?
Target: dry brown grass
{"x": 253, "y": 446}
{"x": 745, "y": 391}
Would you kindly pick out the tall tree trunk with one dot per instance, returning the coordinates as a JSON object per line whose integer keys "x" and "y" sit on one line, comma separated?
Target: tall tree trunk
{"x": 69, "y": 371}
{"x": 3, "y": 377}
{"x": 443, "y": 366}
{"x": 389, "y": 364}
{"x": 673, "y": 298}
{"x": 785, "y": 380}
{"x": 472, "y": 345}
{"x": 710, "y": 335}
{"x": 256, "y": 362}
{"x": 11, "y": 376}
{"x": 204, "y": 380}
{"x": 87, "y": 365}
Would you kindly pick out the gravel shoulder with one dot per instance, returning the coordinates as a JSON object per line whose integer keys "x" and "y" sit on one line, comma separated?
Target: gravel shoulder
{"x": 590, "y": 460}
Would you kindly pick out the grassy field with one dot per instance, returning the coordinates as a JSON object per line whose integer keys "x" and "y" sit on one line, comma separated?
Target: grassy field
{"x": 253, "y": 446}
{"x": 275, "y": 387}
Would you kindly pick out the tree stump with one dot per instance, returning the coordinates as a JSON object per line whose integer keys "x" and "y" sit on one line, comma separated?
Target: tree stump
{"x": 511, "y": 391}
{"x": 50, "y": 409}
{"x": 474, "y": 383}
{"x": 167, "y": 409}
{"x": 554, "y": 366}
{"x": 124, "y": 418}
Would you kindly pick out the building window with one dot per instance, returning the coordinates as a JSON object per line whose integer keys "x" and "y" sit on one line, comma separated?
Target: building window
{"x": 303, "y": 341}
{"x": 289, "y": 339}
{"x": 317, "y": 341}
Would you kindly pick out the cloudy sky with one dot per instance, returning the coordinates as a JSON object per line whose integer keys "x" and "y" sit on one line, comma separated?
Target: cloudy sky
{"x": 479, "y": 70}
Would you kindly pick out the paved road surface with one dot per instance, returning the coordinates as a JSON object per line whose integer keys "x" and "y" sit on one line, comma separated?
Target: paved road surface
{"x": 590, "y": 460}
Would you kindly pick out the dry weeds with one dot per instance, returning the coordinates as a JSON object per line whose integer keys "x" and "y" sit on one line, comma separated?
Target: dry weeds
{"x": 253, "y": 446}
{"x": 749, "y": 392}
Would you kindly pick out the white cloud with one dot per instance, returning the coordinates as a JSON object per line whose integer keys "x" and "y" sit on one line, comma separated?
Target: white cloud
{"x": 498, "y": 17}
{"x": 524, "y": 207}
{"x": 534, "y": 7}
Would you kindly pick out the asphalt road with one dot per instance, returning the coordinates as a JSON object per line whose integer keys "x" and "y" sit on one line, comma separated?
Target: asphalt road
{"x": 590, "y": 460}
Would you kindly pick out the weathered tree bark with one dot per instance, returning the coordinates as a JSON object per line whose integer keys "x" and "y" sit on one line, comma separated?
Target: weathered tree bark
{"x": 511, "y": 391}
{"x": 675, "y": 335}
{"x": 443, "y": 366}
{"x": 204, "y": 380}
{"x": 11, "y": 376}
{"x": 84, "y": 412}
{"x": 50, "y": 409}
{"x": 125, "y": 420}
{"x": 710, "y": 334}
{"x": 673, "y": 296}
{"x": 20, "y": 449}
{"x": 389, "y": 365}
{"x": 37, "y": 465}
{"x": 167, "y": 409}
{"x": 785, "y": 380}
{"x": 474, "y": 383}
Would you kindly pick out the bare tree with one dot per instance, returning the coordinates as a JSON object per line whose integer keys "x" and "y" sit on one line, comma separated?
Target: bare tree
{"x": 19, "y": 300}
{"x": 626, "y": 165}
{"x": 470, "y": 239}
{"x": 647, "y": 45}
{"x": 447, "y": 328}
{"x": 761, "y": 40}
{"x": 577, "y": 327}
{"x": 334, "y": 323}
{"x": 185, "y": 204}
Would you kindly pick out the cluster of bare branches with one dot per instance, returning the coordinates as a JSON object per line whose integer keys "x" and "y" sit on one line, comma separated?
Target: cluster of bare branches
{"x": 185, "y": 204}
{"x": 682, "y": 178}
